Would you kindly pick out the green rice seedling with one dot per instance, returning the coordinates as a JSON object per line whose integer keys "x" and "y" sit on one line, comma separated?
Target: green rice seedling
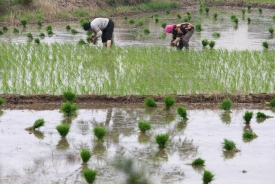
{"x": 249, "y": 6}
{"x": 182, "y": 112}
{"x": 185, "y": 19}
{"x": 169, "y": 102}
{"x": 24, "y": 22}
{"x": 201, "y": 9}
{"x": 226, "y": 104}
{"x": 207, "y": 10}
{"x": 68, "y": 27}
{"x": 208, "y": 176}
{"x": 178, "y": 16}
{"x": 229, "y": 145}
{"x": 29, "y": 35}
{"x": 85, "y": 155}
{"x": 232, "y": 17}
{"x": 163, "y": 25}
{"x": 247, "y": 116}
{"x": 236, "y": 21}
{"x": 82, "y": 21}
{"x": 204, "y": 42}
{"x": 89, "y": 39}
{"x": 38, "y": 123}
{"x": 50, "y": 32}
{"x": 131, "y": 21}
{"x": 37, "y": 41}
{"x": 248, "y": 20}
{"x": 2, "y": 102}
{"x": 273, "y": 17}
{"x": 261, "y": 115}
{"x": 39, "y": 23}
{"x": 162, "y": 139}
{"x": 125, "y": 18}
{"x": 89, "y": 175}
{"x": 167, "y": 11}
{"x": 249, "y": 135}
{"x": 1, "y": 32}
{"x": 69, "y": 109}
{"x": 260, "y": 10}
{"x": 198, "y": 27}
{"x": 41, "y": 35}
{"x": 74, "y": 31}
{"x": 265, "y": 44}
{"x": 163, "y": 36}
{"x": 149, "y": 102}
{"x": 188, "y": 13}
{"x": 215, "y": 16}
{"x": 216, "y": 34}
{"x": 212, "y": 43}
{"x": 243, "y": 11}
{"x": 156, "y": 20}
{"x": 199, "y": 162}
{"x": 271, "y": 103}
{"x": 144, "y": 126}
{"x": 140, "y": 23}
{"x": 5, "y": 28}
{"x": 15, "y": 30}
{"x": 99, "y": 132}
{"x": 146, "y": 31}
{"x": 81, "y": 42}
{"x": 63, "y": 129}
{"x": 49, "y": 28}
{"x": 271, "y": 30}
{"x": 189, "y": 17}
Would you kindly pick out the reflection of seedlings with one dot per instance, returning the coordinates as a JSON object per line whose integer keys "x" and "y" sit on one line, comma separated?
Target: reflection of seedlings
{"x": 162, "y": 154}
{"x": 182, "y": 112}
{"x": 169, "y": 117}
{"x": 144, "y": 126}
{"x": 24, "y": 23}
{"x": 226, "y": 104}
{"x": 247, "y": 116}
{"x": 181, "y": 125}
{"x": 212, "y": 43}
{"x": 38, "y": 123}
{"x": 204, "y": 42}
{"x": 229, "y": 146}
{"x": 69, "y": 109}
{"x": 99, "y": 149}
{"x": 50, "y": 32}
{"x": 63, "y": 129}
{"x": 225, "y": 117}
{"x": 249, "y": 135}
{"x": 63, "y": 144}
{"x": 248, "y": 20}
{"x": 89, "y": 175}
{"x": 150, "y": 102}
{"x": 85, "y": 155}
{"x": 99, "y": 132}
{"x": 161, "y": 139}
{"x": 208, "y": 176}
{"x": 169, "y": 102}
{"x": 143, "y": 138}
{"x": 265, "y": 44}
{"x": 38, "y": 134}
{"x": 69, "y": 96}
{"x": 199, "y": 162}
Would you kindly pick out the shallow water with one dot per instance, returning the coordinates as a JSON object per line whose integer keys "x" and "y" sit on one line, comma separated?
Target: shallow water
{"x": 240, "y": 37}
{"x": 44, "y": 157}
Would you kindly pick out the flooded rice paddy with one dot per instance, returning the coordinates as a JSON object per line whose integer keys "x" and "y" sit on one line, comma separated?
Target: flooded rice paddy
{"x": 44, "y": 157}
{"x": 241, "y": 36}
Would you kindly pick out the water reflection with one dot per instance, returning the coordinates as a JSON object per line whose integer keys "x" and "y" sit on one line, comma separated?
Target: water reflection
{"x": 225, "y": 117}
{"x": 144, "y": 138}
{"x": 63, "y": 144}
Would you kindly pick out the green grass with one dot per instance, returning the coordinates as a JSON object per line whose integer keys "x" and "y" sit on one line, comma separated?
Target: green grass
{"x": 125, "y": 71}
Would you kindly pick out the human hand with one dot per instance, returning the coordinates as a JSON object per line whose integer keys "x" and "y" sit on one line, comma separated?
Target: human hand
{"x": 94, "y": 39}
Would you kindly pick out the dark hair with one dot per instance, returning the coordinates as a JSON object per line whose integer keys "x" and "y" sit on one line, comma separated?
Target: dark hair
{"x": 87, "y": 26}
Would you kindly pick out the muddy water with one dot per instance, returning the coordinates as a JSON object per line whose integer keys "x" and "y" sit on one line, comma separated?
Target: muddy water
{"x": 240, "y": 37}
{"x": 44, "y": 157}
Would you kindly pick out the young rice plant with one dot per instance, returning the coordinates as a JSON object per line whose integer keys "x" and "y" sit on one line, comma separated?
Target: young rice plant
{"x": 99, "y": 132}
{"x": 208, "y": 176}
{"x": 162, "y": 139}
{"x": 144, "y": 126}
{"x": 90, "y": 175}
{"x": 85, "y": 155}
{"x": 149, "y": 102}
{"x": 199, "y": 162}
{"x": 248, "y": 116}
{"x": 63, "y": 129}
{"x": 169, "y": 102}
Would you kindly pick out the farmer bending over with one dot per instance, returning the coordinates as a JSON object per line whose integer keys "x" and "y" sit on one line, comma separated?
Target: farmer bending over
{"x": 102, "y": 27}
{"x": 181, "y": 33}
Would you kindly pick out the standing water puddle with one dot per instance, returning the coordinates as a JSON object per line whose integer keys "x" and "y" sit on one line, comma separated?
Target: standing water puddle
{"x": 44, "y": 157}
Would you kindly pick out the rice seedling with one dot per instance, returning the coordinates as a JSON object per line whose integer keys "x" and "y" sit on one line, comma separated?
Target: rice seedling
{"x": 29, "y": 35}
{"x": 232, "y": 17}
{"x": 198, "y": 27}
{"x": 74, "y": 31}
{"x": 169, "y": 102}
{"x": 178, "y": 16}
{"x": 125, "y": 18}
{"x": 260, "y": 10}
{"x": 248, "y": 135}
{"x": 144, "y": 126}
{"x": 1, "y": 32}
{"x": 39, "y": 23}
{"x": 50, "y": 32}
{"x": 15, "y": 30}
{"x": 265, "y": 44}
{"x": 247, "y": 116}
{"x": 185, "y": 19}
{"x": 216, "y": 34}
{"x": 212, "y": 43}
{"x": 188, "y": 13}
{"x": 82, "y": 21}
{"x": 37, "y": 41}
{"x": 2, "y": 102}
{"x": 149, "y": 102}
{"x": 81, "y": 42}
{"x": 85, "y": 155}
{"x": 163, "y": 25}
{"x": 99, "y": 132}
{"x": 204, "y": 42}
{"x": 243, "y": 11}
{"x": 69, "y": 95}
{"x": 69, "y": 109}
{"x": 201, "y": 9}
{"x": 41, "y": 35}
{"x": 156, "y": 20}
{"x": 199, "y": 162}
{"x": 207, "y": 10}
{"x": 229, "y": 145}
{"x": 189, "y": 17}
{"x": 271, "y": 103}
{"x": 162, "y": 139}
{"x": 182, "y": 112}
{"x": 5, "y": 28}
{"x": 24, "y": 23}
{"x": 215, "y": 16}
{"x": 68, "y": 27}
{"x": 248, "y": 20}
{"x": 49, "y": 28}
{"x": 271, "y": 30}
{"x": 226, "y": 104}
{"x": 63, "y": 129}
{"x": 249, "y": 6}
{"x": 131, "y": 21}
{"x": 89, "y": 175}
{"x": 261, "y": 115}
{"x": 208, "y": 176}
{"x": 38, "y": 123}
{"x": 146, "y": 31}
{"x": 140, "y": 23}
{"x": 167, "y": 11}
{"x": 236, "y": 21}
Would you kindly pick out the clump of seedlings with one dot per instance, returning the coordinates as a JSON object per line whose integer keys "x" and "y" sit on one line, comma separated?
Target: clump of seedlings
{"x": 204, "y": 42}
{"x": 261, "y": 115}
{"x": 182, "y": 112}
{"x": 39, "y": 23}
{"x": 207, "y": 10}
{"x": 162, "y": 139}
{"x": 89, "y": 175}
{"x": 69, "y": 109}
{"x": 265, "y": 44}
{"x": 85, "y": 155}
{"x": 41, "y": 35}
{"x": 198, "y": 27}
{"x": 248, "y": 20}
{"x": 146, "y": 31}
{"x": 271, "y": 30}
{"x": 69, "y": 96}
{"x": 249, "y": 6}
{"x": 249, "y": 135}
{"x": 63, "y": 129}
{"x": 144, "y": 126}
{"x": 199, "y": 162}
{"x": 24, "y": 23}
{"x": 131, "y": 21}
{"x": 74, "y": 31}
{"x": 37, "y": 41}
{"x": 216, "y": 34}
{"x": 178, "y": 16}
{"x": 29, "y": 35}
{"x": 236, "y": 20}
{"x": 169, "y": 102}
{"x": 215, "y": 16}
{"x": 2, "y": 102}
{"x": 185, "y": 19}
{"x": 229, "y": 145}
{"x": 68, "y": 27}
{"x": 260, "y": 10}
{"x": 243, "y": 11}
{"x": 271, "y": 103}
{"x": 38, "y": 123}
{"x": 208, "y": 176}
{"x": 99, "y": 132}
{"x": 226, "y": 104}
{"x": 5, "y": 28}
{"x": 247, "y": 116}
{"x": 156, "y": 20}
{"x": 212, "y": 43}
{"x": 167, "y": 11}
{"x": 273, "y": 17}
{"x": 140, "y": 23}
{"x": 15, "y": 30}
{"x": 163, "y": 25}
{"x": 149, "y": 102}
{"x": 81, "y": 42}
